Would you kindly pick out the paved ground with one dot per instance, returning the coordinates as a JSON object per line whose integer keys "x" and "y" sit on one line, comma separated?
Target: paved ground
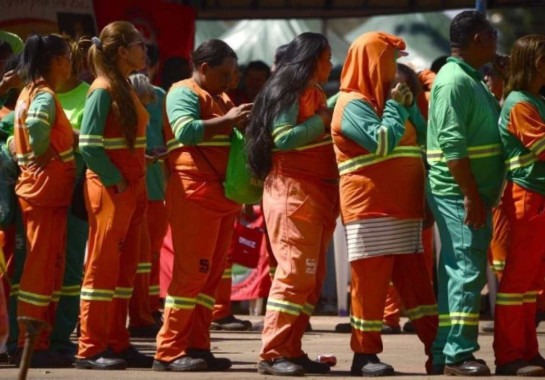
{"x": 403, "y": 351}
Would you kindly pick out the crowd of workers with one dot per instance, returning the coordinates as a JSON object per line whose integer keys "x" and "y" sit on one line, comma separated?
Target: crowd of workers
{"x": 393, "y": 152}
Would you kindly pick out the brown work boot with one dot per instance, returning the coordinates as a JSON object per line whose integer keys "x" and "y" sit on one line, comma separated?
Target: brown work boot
{"x": 467, "y": 367}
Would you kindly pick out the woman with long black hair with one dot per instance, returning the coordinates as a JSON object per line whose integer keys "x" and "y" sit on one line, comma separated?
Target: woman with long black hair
{"x": 289, "y": 147}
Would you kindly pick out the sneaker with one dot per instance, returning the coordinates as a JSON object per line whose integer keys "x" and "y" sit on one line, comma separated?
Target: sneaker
{"x": 390, "y": 330}
{"x": 369, "y": 365}
{"x": 467, "y": 367}
{"x": 134, "y": 358}
{"x": 148, "y": 331}
{"x": 519, "y": 368}
{"x": 230, "y": 323}
{"x": 181, "y": 364}
{"x": 212, "y": 363}
{"x": 311, "y": 366}
{"x": 280, "y": 367}
{"x": 103, "y": 360}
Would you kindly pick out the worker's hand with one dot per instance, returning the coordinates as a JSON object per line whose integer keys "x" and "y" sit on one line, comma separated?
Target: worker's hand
{"x": 39, "y": 163}
{"x": 240, "y": 115}
{"x": 402, "y": 94}
{"x": 475, "y": 212}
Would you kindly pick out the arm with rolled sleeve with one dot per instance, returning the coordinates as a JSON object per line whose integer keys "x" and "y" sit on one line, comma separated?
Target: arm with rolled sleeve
{"x": 287, "y": 134}
{"x": 91, "y": 139}
{"x": 380, "y": 136}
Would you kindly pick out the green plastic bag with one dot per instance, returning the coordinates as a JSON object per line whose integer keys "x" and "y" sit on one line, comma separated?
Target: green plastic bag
{"x": 240, "y": 186}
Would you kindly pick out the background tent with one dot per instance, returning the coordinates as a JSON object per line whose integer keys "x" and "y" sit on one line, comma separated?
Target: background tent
{"x": 426, "y": 34}
{"x": 258, "y": 39}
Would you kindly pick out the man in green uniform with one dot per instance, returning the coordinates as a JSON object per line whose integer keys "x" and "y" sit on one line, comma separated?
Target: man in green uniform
{"x": 465, "y": 178}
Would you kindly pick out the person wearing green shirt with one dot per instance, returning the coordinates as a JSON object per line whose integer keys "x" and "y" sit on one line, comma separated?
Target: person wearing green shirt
{"x": 465, "y": 178}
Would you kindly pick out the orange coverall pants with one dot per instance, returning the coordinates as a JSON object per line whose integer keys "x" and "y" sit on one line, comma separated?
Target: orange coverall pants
{"x": 300, "y": 216}
{"x": 201, "y": 219}
{"x": 145, "y": 297}
{"x": 115, "y": 229}
{"x": 515, "y": 335}
{"x": 42, "y": 276}
{"x": 369, "y": 285}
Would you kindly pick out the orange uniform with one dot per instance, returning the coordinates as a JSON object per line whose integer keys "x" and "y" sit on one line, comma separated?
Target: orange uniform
{"x": 377, "y": 151}
{"x": 44, "y": 196}
{"x": 115, "y": 221}
{"x": 200, "y": 216}
{"x": 300, "y": 205}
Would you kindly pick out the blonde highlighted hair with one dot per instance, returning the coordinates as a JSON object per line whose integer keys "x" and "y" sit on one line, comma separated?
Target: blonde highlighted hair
{"x": 522, "y": 68}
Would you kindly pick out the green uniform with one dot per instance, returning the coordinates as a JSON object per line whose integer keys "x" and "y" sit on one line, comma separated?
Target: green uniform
{"x": 462, "y": 124}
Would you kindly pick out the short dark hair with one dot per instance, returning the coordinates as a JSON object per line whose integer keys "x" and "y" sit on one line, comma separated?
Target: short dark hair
{"x": 258, "y": 66}
{"x": 464, "y": 26}
{"x": 212, "y": 52}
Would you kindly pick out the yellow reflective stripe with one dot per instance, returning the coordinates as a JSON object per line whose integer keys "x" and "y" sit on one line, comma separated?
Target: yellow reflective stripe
{"x": 422, "y": 311}
{"x": 181, "y": 122}
{"x": 459, "y": 318}
{"x": 473, "y": 152}
{"x": 67, "y": 155}
{"x": 34, "y": 298}
{"x": 382, "y": 141}
{"x": 154, "y": 290}
{"x": 14, "y": 290}
{"x": 38, "y": 114}
{"x": 206, "y": 301}
{"x": 123, "y": 293}
{"x": 56, "y": 296}
{"x": 71, "y": 290}
{"x": 89, "y": 294}
{"x": 227, "y": 273}
{"x": 520, "y": 161}
{"x": 284, "y": 306}
{"x": 308, "y": 309}
{"x": 508, "y": 299}
{"x": 91, "y": 140}
{"x": 281, "y": 129}
{"x": 143, "y": 268}
{"x": 173, "y": 144}
{"x": 366, "y": 325}
{"x": 180, "y": 302}
{"x": 498, "y": 265}
{"x": 538, "y": 147}
{"x": 120, "y": 143}
{"x": 530, "y": 297}
{"x": 37, "y": 117}
{"x": 359, "y": 162}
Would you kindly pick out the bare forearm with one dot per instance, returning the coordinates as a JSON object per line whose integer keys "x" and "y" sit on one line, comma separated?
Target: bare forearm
{"x": 461, "y": 172}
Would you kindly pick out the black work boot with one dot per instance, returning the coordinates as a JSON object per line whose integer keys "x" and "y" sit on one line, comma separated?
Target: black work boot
{"x": 103, "y": 360}
{"x": 369, "y": 365}
{"x": 311, "y": 366}
{"x": 182, "y": 364}
{"x": 212, "y": 363}
{"x": 280, "y": 367}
